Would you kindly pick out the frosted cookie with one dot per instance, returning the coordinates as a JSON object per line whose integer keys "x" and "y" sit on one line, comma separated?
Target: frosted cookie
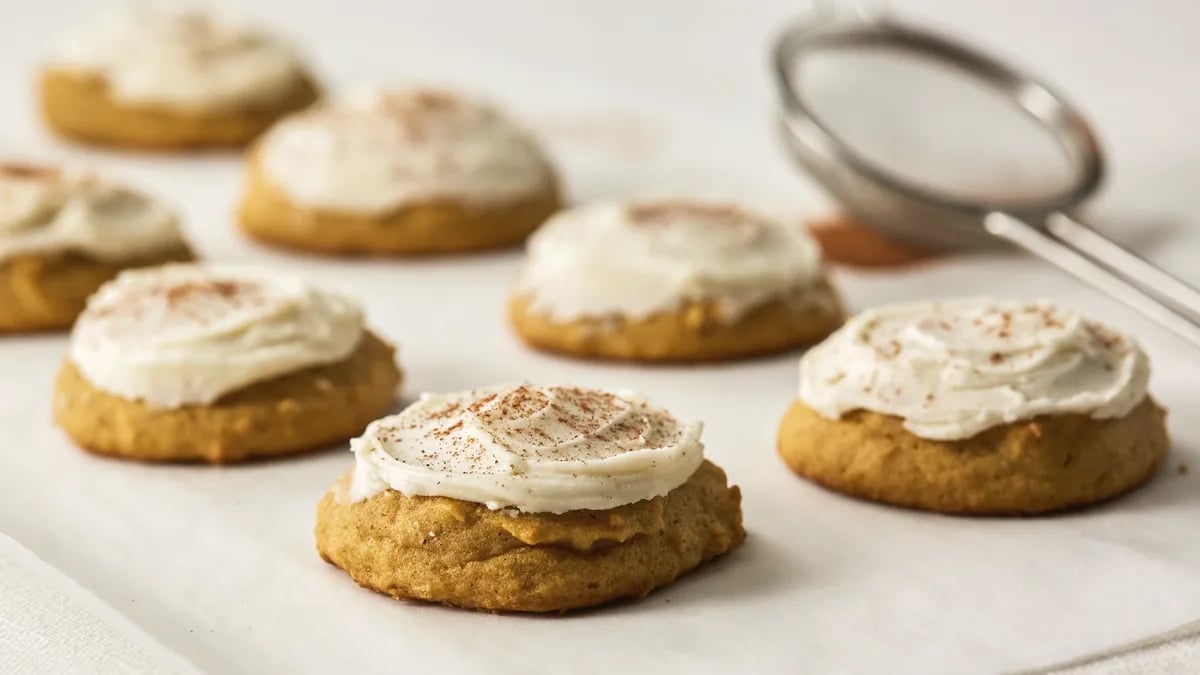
{"x": 975, "y": 406}
{"x": 530, "y": 499}
{"x": 190, "y": 363}
{"x": 63, "y": 235}
{"x": 169, "y": 79}
{"x": 401, "y": 172}
{"x": 671, "y": 281}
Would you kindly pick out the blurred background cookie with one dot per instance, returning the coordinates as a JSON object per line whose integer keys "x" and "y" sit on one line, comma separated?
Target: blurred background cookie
{"x": 398, "y": 172}
{"x": 671, "y": 281}
{"x": 191, "y": 363}
{"x": 159, "y": 78}
{"x": 64, "y": 234}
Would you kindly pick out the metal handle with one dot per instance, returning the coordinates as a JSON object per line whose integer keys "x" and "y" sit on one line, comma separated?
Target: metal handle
{"x": 1086, "y": 240}
{"x": 1062, "y": 255}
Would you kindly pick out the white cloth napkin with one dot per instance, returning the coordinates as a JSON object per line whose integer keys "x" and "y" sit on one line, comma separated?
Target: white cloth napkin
{"x": 49, "y": 624}
{"x": 1175, "y": 652}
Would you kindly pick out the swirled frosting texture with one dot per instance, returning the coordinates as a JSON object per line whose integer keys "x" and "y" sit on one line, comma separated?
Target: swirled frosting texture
{"x": 186, "y": 334}
{"x": 953, "y": 369}
{"x": 381, "y": 151}
{"x": 535, "y": 449}
{"x": 638, "y": 259}
{"x": 188, "y": 60}
{"x": 45, "y": 211}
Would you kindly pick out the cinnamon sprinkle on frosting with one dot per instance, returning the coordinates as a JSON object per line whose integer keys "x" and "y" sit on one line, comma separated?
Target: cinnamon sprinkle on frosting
{"x": 528, "y": 447}
{"x": 952, "y": 369}
{"x": 187, "y": 334}
{"x": 182, "y": 59}
{"x": 383, "y": 149}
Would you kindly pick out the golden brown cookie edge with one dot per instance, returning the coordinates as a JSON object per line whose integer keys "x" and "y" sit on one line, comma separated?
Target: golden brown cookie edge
{"x": 919, "y": 495}
{"x": 334, "y": 517}
{"x": 434, "y": 227}
{"x": 62, "y": 281}
{"x": 77, "y": 107}
{"x": 687, "y": 335}
{"x": 256, "y": 422}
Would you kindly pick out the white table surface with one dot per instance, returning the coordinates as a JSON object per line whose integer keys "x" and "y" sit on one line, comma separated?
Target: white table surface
{"x": 217, "y": 564}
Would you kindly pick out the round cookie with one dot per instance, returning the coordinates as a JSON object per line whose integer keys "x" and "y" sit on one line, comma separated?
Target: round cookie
{"x": 537, "y": 539}
{"x": 692, "y": 333}
{"x": 530, "y": 562}
{"x": 403, "y": 172}
{"x": 975, "y": 407}
{"x": 286, "y": 415}
{"x": 185, "y": 363}
{"x": 62, "y": 236}
{"x": 671, "y": 282}
{"x": 82, "y": 107}
{"x": 166, "y": 80}
{"x": 1044, "y": 464}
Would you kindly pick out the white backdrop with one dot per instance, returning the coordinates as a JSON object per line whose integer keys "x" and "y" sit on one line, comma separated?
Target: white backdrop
{"x": 217, "y": 564}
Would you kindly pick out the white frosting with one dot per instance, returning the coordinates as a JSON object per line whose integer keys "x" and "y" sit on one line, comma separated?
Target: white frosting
{"x": 953, "y": 369}
{"x": 535, "y": 449}
{"x": 639, "y": 259}
{"x": 387, "y": 150}
{"x": 43, "y": 211}
{"x": 187, "y": 60}
{"x": 187, "y": 334}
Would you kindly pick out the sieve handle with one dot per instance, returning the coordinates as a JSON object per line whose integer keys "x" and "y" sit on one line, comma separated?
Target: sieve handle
{"x": 1067, "y": 257}
{"x": 1083, "y": 238}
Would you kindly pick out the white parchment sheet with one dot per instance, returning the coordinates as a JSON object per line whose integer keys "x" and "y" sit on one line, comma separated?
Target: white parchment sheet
{"x": 218, "y": 564}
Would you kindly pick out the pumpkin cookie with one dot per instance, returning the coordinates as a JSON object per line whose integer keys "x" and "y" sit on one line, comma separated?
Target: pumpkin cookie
{"x": 975, "y": 407}
{"x": 149, "y": 78}
{"x": 671, "y": 281}
{"x": 402, "y": 172}
{"x": 63, "y": 235}
{"x": 531, "y": 499}
{"x": 187, "y": 363}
